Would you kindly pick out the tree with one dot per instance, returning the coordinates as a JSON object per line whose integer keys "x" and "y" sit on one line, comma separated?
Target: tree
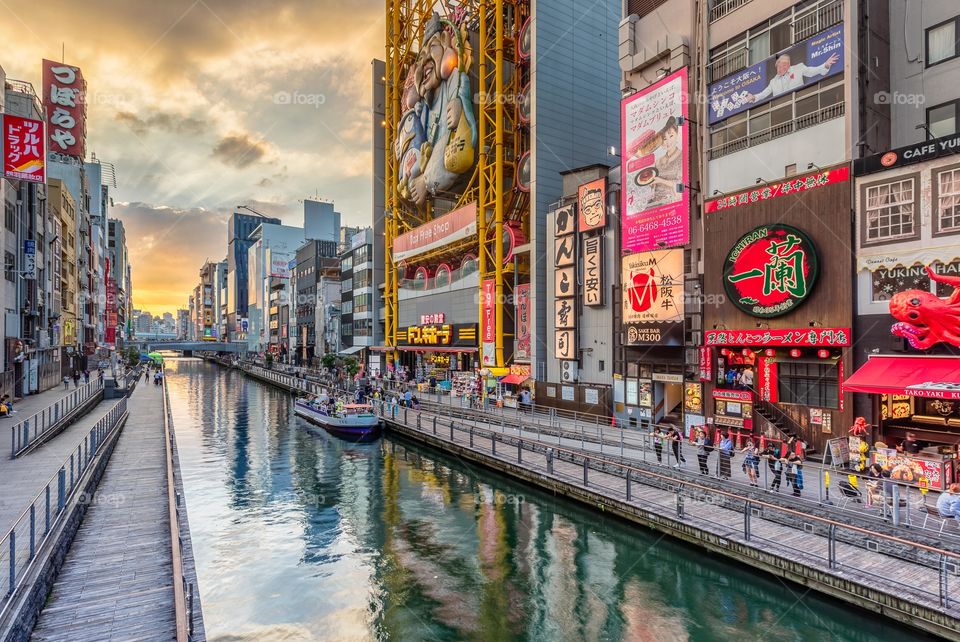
{"x": 329, "y": 360}
{"x": 133, "y": 356}
{"x": 351, "y": 366}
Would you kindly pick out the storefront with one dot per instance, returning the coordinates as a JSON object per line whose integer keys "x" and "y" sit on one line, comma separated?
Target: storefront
{"x": 514, "y": 383}
{"x": 918, "y": 396}
{"x": 779, "y": 313}
{"x": 438, "y": 351}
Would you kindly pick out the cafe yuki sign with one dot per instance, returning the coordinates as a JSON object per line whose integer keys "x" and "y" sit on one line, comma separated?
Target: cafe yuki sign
{"x": 908, "y": 155}
{"x": 770, "y": 271}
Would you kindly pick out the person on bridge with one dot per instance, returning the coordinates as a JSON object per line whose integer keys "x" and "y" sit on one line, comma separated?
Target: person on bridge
{"x": 658, "y": 438}
{"x": 775, "y": 464}
{"x": 751, "y": 462}
{"x": 726, "y": 453}
{"x": 948, "y": 504}
{"x": 66, "y": 382}
{"x": 676, "y": 442}
{"x": 703, "y": 451}
{"x": 146, "y": 374}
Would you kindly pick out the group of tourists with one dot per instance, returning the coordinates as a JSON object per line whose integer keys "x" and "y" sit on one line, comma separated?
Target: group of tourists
{"x": 785, "y": 460}
{"x": 157, "y": 373}
{"x": 77, "y": 375}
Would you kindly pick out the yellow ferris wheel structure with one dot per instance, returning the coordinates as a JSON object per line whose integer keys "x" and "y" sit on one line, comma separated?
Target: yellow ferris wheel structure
{"x": 493, "y": 27}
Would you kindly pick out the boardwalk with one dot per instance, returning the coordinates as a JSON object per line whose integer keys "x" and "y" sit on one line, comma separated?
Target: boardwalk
{"x": 24, "y": 477}
{"x": 116, "y": 582}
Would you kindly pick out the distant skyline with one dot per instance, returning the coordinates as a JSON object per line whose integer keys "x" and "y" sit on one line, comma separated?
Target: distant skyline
{"x": 209, "y": 104}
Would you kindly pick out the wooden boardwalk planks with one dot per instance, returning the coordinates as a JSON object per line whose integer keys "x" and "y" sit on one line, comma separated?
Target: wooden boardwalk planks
{"x": 116, "y": 582}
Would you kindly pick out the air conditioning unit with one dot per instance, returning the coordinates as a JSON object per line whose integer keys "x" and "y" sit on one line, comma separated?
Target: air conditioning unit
{"x": 568, "y": 371}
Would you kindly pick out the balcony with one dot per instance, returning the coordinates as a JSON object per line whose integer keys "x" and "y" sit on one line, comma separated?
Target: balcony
{"x": 777, "y": 131}
{"x": 720, "y": 8}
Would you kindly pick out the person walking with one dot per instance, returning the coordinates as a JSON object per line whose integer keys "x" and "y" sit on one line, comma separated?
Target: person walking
{"x": 76, "y": 378}
{"x": 774, "y": 464}
{"x": 703, "y": 451}
{"x": 86, "y": 376}
{"x": 66, "y": 382}
{"x": 751, "y": 463}
{"x": 658, "y": 437}
{"x": 726, "y": 454}
{"x": 676, "y": 442}
{"x": 146, "y": 374}
{"x": 795, "y": 473}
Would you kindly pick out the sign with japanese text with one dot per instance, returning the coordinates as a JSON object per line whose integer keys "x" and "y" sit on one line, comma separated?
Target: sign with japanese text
{"x": 433, "y": 319}
{"x": 454, "y": 226}
{"x": 773, "y": 190}
{"x": 805, "y": 63}
{"x": 770, "y": 271}
{"x": 564, "y": 253}
{"x": 767, "y": 380}
{"x": 693, "y": 398}
{"x": 653, "y": 298}
{"x": 741, "y": 396}
{"x": 438, "y": 335}
{"x": 706, "y": 364}
{"x": 565, "y": 316}
{"x": 783, "y": 338}
{"x": 592, "y": 202}
{"x": 24, "y": 151}
{"x": 29, "y": 259}
{"x": 488, "y": 319}
{"x": 522, "y": 347}
{"x": 65, "y": 99}
{"x": 565, "y": 347}
{"x": 655, "y": 145}
{"x": 593, "y": 270}
{"x": 564, "y": 221}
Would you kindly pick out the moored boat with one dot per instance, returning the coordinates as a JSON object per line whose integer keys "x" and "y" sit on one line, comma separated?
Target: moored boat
{"x": 351, "y": 422}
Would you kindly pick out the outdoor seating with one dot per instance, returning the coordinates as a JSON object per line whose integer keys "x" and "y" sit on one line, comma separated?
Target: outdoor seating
{"x": 933, "y": 514}
{"x": 849, "y": 492}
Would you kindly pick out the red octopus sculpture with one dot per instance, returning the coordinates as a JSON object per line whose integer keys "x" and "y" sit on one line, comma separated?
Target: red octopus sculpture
{"x": 924, "y": 319}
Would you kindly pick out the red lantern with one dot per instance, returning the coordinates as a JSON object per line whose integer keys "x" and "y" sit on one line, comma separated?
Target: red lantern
{"x": 746, "y": 352}
{"x": 823, "y": 354}
{"x": 770, "y": 352}
{"x": 794, "y": 353}
{"x": 724, "y": 352}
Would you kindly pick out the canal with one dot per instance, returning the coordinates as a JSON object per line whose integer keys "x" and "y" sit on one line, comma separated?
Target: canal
{"x": 299, "y": 536}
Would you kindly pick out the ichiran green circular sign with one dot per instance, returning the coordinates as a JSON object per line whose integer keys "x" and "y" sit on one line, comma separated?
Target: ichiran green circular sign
{"x": 770, "y": 271}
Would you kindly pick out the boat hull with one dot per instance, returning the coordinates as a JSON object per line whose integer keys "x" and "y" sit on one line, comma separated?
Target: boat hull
{"x": 353, "y": 428}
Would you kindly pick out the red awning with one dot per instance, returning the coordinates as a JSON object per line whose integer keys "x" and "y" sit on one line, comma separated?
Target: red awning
{"x": 936, "y": 377}
{"x": 514, "y": 379}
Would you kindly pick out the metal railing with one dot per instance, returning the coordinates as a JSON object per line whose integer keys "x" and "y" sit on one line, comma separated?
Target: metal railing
{"x": 28, "y": 431}
{"x": 183, "y": 595}
{"x": 616, "y": 479}
{"x": 720, "y": 8}
{"x": 18, "y": 547}
{"x": 802, "y": 122}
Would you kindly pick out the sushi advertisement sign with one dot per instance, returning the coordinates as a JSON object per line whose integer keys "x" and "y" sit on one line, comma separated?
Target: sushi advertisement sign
{"x": 655, "y": 146}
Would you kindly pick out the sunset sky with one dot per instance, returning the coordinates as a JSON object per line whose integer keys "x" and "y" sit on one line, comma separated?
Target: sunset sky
{"x": 204, "y": 105}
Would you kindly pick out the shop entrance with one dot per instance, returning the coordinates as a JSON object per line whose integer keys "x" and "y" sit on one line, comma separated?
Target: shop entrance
{"x": 668, "y": 398}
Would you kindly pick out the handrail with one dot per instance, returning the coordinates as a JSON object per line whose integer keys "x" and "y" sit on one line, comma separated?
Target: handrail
{"x": 749, "y": 505}
{"x": 51, "y": 504}
{"x": 27, "y": 432}
{"x": 184, "y": 619}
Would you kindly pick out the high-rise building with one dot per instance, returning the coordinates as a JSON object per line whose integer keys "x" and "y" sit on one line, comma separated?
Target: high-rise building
{"x": 239, "y": 228}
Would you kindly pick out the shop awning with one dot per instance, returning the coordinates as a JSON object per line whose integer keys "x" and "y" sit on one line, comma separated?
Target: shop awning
{"x": 515, "y": 379}
{"x": 352, "y": 350}
{"x": 936, "y": 377}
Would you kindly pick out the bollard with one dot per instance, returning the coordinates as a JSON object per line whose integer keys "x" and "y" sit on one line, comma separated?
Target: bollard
{"x": 585, "y": 469}
{"x": 629, "y": 487}
{"x": 746, "y": 521}
{"x": 680, "y": 501}
{"x": 550, "y": 460}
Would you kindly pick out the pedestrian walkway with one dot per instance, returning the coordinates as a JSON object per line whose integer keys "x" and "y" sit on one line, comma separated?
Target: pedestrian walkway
{"x": 22, "y": 478}
{"x": 117, "y": 580}
{"x": 32, "y": 404}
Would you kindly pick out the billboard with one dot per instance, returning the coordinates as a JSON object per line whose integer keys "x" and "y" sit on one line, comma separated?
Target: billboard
{"x": 655, "y": 145}
{"x": 653, "y": 298}
{"x": 522, "y": 349}
{"x": 454, "y": 226}
{"x": 807, "y": 62}
{"x": 592, "y": 205}
{"x": 24, "y": 151}
{"x": 782, "y": 188}
{"x": 279, "y": 265}
{"x": 65, "y": 100}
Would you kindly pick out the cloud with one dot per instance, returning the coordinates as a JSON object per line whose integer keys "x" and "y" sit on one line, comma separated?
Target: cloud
{"x": 161, "y": 121}
{"x": 239, "y": 151}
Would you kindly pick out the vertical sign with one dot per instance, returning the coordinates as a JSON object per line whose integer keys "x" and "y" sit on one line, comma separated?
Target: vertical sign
{"x": 29, "y": 259}
{"x": 65, "y": 99}
{"x": 565, "y": 283}
{"x": 767, "y": 378}
{"x": 706, "y": 364}
{"x": 24, "y": 152}
{"x": 488, "y": 332}
{"x": 655, "y": 146}
{"x": 522, "y": 347}
{"x": 592, "y": 199}
{"x": 593, "y": 270}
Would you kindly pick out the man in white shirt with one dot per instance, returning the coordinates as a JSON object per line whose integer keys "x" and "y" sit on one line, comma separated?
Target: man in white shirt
{"x": 790, "y": 77}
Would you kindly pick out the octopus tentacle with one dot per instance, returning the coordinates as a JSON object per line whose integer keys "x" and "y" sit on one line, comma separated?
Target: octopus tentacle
{"x": 953, "y": 281}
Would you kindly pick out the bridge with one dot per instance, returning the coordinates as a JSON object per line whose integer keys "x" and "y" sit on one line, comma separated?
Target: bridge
{"x": 148, "y": 345}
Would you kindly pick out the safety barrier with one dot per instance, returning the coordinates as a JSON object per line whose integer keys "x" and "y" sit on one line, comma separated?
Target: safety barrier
{"x": 27, "y": 432}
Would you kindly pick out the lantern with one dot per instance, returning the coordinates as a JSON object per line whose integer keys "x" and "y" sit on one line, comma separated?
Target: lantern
{"x": 794, "y": 353}
{"x": 746, "y": 352}
{"x": 769, "y": 352}
{"x": 724, "y": 352}
{"x": 823, "y": 354}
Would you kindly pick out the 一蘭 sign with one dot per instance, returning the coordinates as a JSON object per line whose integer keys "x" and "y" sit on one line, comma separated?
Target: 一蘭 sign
{"x": 770, "y": 271}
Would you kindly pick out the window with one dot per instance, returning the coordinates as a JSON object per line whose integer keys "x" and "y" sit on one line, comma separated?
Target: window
{"x": 9, "y": 211}
{"x": 946, "y": 186}
{"x": 942, "y": 119}
{"x": 363, "y": 303}
{"x": 363, "y": 279}
{"x": 942, "y": 42}
{"x": 889, "y": 212}
{"x": 363, "y": 328}
{"x": 9, "y": 265}
{"x": 809, "y": 384}
{"x": 346, "y": 264}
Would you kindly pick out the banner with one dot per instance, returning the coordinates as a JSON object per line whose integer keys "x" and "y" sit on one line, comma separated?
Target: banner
{"x": 592, "y": 202}
{"x": 522, "y": 346}
{"x": 767, "y": 381}
{"x": 706, "y": 363}
{"x": 24, "y": 153}
{"x": 454, "y": 226}
{"x": 653, "y": 298}
{"x": 65, "y": 100}
{"x": 780, "y": 338}
{"x": 593, "y": 284}
{"x": 488, "y": 330}
{"x": 655, "y": 145}
{"x": 279, "y": 266}
{"x": 773, "y": 190}
{"x": 805, "y": 63}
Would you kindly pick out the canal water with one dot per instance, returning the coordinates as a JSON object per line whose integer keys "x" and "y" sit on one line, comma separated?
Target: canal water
{"x": 299, "y": 536}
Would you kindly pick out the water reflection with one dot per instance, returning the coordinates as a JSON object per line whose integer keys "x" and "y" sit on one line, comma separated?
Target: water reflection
{"x": 299, "y": 536}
